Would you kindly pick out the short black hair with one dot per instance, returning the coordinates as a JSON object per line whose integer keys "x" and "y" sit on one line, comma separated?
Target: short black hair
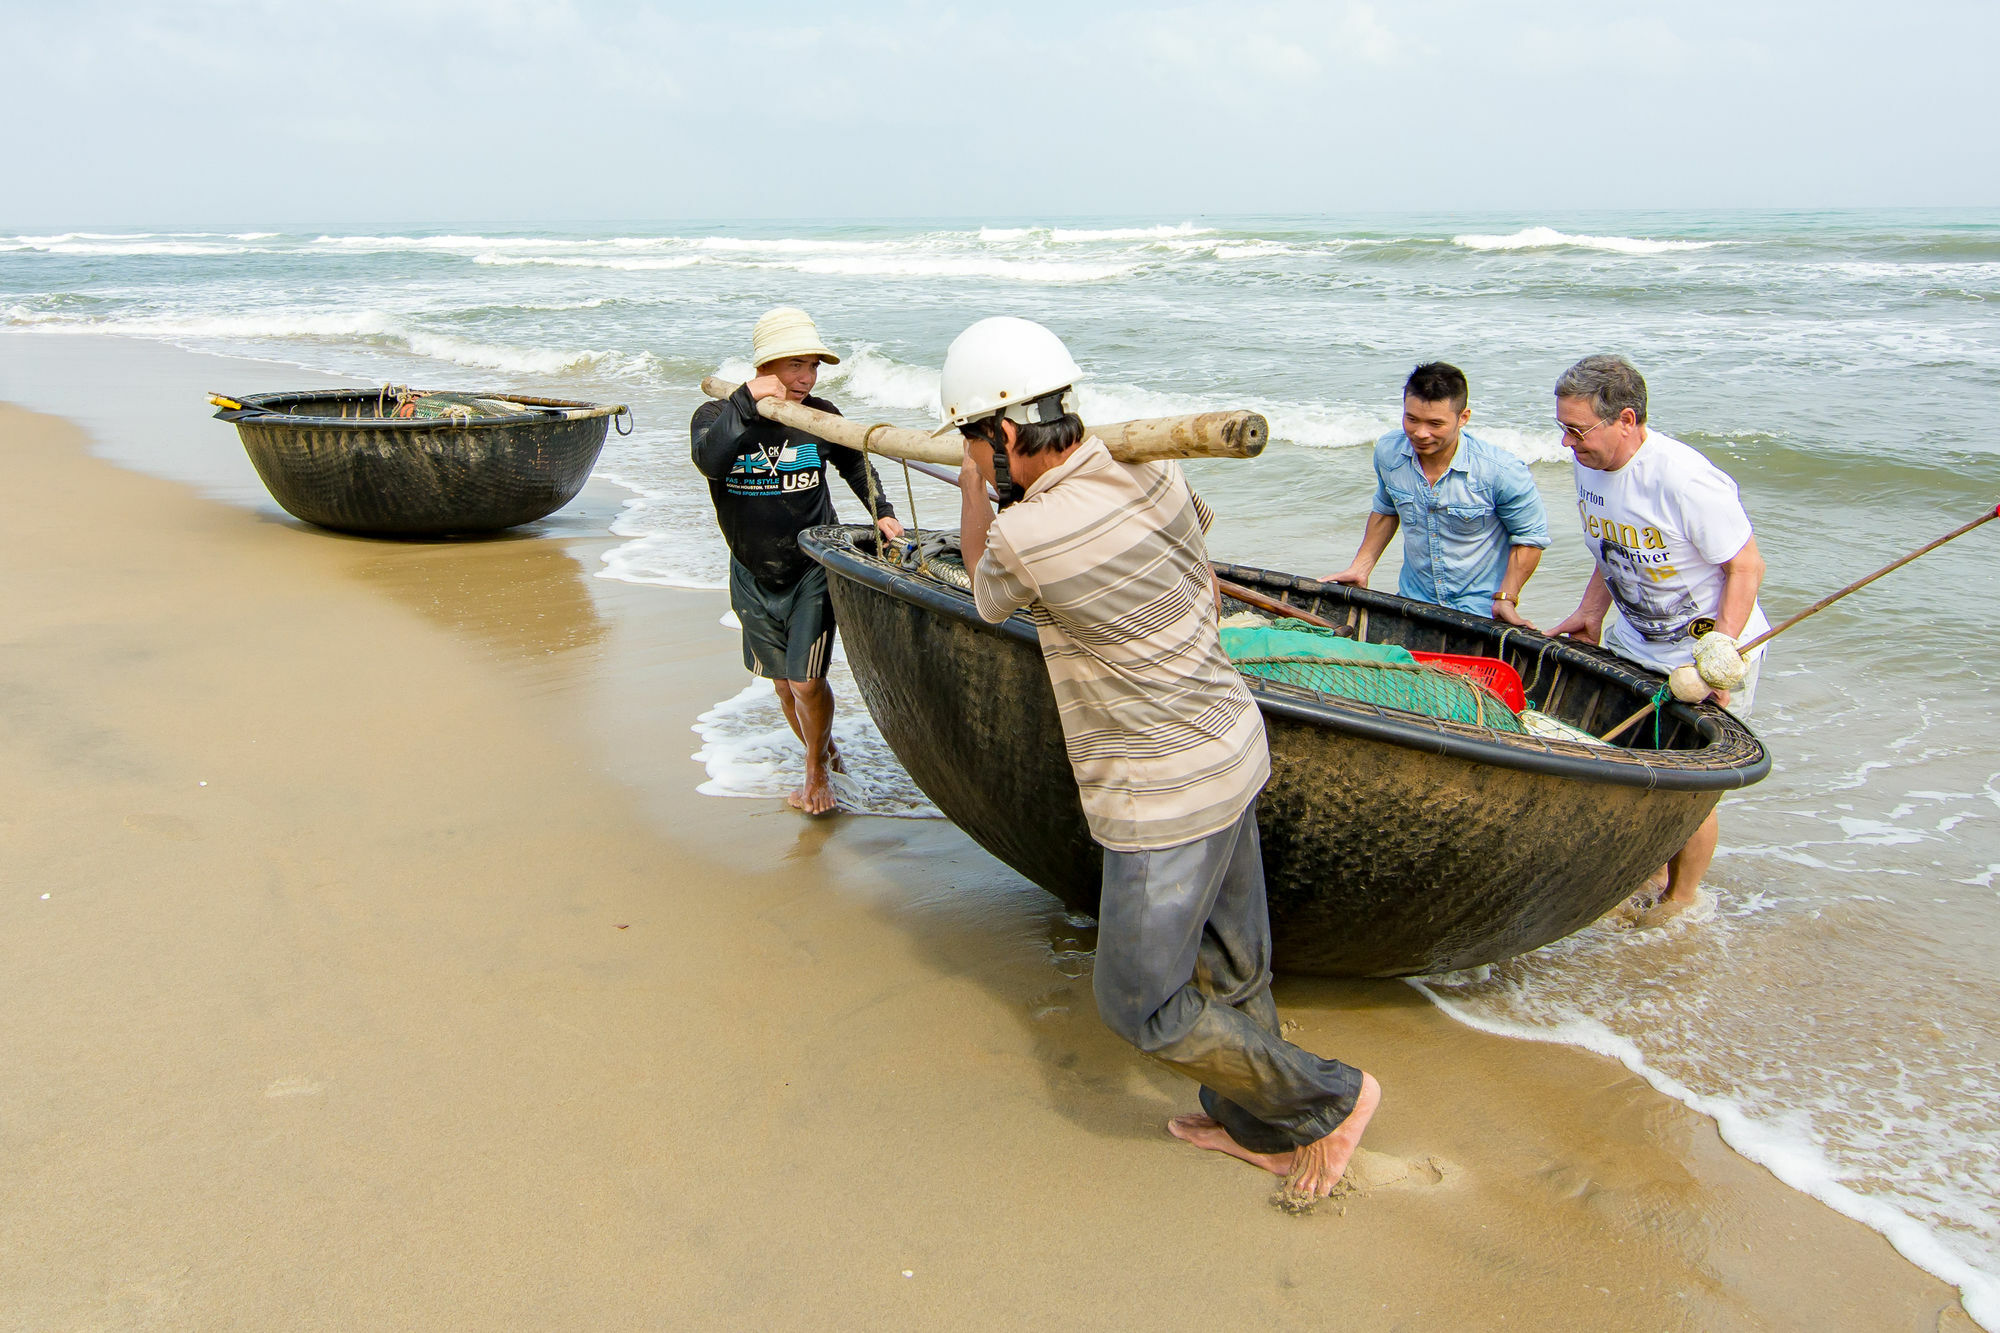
{"x": 1030, "y": 437}
{"x": 1437, "y": 382}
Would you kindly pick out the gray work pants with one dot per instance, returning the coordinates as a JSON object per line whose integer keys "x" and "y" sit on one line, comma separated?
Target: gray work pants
{"x": 1184, "y": 973}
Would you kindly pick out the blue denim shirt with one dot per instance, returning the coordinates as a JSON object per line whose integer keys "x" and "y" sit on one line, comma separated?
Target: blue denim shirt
{"x": 1457, "y": 534}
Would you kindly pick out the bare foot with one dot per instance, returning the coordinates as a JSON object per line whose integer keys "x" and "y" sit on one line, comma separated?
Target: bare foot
{"x": 1310, "y": 1171}
{"x": 1205, "y": 1131}
{"x": 1660, "y": 913}
{"x": 814, "y": 796}
{"x": 1656, "y": 885}
{"x": 1318, "y": 1166}
{"x": 834, "y": 762}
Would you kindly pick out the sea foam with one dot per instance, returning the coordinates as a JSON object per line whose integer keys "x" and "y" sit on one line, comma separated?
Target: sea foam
{"x": 749, "y": 750}
{"x": 1543, "y": 238}
{"x": 1086, "y": 235}
{"x": 1787, "y": 1152}
{"x": 371, "y": 328}
{"x": 639, "y": 264}
{"x": 921, "y": 266}
{"x": 882, "y": 381}
{"x": 128, "y": 248}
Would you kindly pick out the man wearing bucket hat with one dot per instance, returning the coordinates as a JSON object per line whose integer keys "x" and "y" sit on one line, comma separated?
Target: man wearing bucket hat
{"x": 768, "y": 483}
{"x": 1166, "y": 744}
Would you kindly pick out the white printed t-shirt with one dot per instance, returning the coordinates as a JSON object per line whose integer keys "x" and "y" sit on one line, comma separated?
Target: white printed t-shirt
{"x": 1661, "y": 528}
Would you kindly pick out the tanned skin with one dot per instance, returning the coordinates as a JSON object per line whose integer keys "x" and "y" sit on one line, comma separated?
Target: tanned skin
{"x": 808, "y": 704}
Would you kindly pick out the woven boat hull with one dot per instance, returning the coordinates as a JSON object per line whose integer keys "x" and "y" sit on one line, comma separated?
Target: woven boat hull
{"x": 411, "y": 478}
{"x": 1393, "y": 844}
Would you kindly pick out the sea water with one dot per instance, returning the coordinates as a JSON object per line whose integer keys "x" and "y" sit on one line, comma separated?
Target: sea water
{"x": 1837, "y": 1011}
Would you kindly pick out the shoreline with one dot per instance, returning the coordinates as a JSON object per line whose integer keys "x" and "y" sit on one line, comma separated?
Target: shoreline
{"x": 491, "y": 671}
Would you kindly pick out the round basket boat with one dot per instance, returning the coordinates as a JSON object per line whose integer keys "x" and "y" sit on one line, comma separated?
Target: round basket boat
{"x": 335, "y": 459}
{"x": 1394, "y": 843}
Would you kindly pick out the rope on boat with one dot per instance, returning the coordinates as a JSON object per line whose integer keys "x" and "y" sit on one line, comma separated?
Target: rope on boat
{"x": 910, "y": 489}
{"x": 1501, "y": 652}
{"x": 875, "y": 497}
{"x": 1541, "y": 655}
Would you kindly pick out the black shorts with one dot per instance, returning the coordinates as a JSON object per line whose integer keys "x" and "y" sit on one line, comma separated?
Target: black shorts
{"x": 786, "y": 635}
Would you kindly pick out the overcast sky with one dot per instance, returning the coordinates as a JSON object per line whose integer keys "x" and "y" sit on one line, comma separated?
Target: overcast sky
{"x": 122, "y": 112}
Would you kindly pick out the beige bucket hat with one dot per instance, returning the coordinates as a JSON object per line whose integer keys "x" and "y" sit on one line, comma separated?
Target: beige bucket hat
{"x": 787, "y": 331}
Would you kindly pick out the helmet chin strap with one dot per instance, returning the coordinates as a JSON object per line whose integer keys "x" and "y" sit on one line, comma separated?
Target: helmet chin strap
{"x": 1049, "y": 407}
{"x": 1003, "y": 480}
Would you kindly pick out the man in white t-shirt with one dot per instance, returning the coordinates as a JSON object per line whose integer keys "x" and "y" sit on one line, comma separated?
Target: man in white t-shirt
{"x": 1674, "y": 552}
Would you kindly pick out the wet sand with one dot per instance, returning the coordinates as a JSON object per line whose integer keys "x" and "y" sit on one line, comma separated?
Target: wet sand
{"x": 391, "y": 973}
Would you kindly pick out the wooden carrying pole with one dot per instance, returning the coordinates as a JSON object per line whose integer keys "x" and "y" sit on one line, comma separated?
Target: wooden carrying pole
{"x": 1825, "y": 602}
{"x": 1208, "y": 435}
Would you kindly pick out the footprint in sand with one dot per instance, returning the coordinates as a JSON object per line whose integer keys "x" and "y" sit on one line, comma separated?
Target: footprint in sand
{"x": 1369, "y": 1171}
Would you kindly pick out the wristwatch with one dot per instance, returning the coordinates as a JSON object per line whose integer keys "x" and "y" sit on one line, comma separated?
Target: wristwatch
{"x": 1507, "y": 597}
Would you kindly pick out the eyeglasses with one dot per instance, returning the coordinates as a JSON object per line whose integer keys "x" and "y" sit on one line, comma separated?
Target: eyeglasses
{"x": 1571, "y": 434}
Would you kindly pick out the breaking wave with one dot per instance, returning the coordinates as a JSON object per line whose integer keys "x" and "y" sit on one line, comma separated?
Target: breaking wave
{"x": 1545, "y": 238}
{"x": 369, "y": 328}
{"x": 1075, "y": 235}
{"x": 869, "y": 376}
{"x": 79, "y": 243}
{"x": 633, "y": 265}
{"x": 912, "y": 266}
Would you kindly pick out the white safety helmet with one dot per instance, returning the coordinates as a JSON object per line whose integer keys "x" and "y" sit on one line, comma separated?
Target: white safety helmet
{"x": 1006, "y": 366}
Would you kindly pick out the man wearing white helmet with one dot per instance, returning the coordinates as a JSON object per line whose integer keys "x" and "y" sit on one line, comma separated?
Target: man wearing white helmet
{"x": 1165, "y": 741}
{"x": 768, "y": 483}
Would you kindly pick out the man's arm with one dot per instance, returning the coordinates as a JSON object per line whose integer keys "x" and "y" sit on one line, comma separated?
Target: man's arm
{"x": 975, "y": 516}
{"x": 720, "y": 431}
{"x": 1518, "y": 505}
{"x": 1521, "y": 562}
{"x": 1587, "y": 621}
{"x": 1742, "y": 578}
{"x": 1374, "y": 540}
{"x": 997, "y": 591}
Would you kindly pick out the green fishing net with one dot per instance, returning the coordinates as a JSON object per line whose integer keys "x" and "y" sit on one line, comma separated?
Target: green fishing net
{"x": 1295, "y": 653}
{"x": 1383, "y": 674}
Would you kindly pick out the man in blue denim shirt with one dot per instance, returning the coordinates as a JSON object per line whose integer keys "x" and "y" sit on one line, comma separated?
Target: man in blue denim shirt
{"x": 1472, "y": 520}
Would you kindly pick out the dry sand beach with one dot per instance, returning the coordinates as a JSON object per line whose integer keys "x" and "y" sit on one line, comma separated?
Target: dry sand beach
{"x": 364, "y": 965}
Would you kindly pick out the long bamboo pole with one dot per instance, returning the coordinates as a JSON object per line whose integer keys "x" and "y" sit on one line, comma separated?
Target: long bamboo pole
{"x": 1824, "y": 603}
{"x": 1207, "y": 435}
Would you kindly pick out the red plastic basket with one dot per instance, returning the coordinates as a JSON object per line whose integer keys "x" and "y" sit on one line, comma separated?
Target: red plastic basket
{"x": 1491, "y": 672}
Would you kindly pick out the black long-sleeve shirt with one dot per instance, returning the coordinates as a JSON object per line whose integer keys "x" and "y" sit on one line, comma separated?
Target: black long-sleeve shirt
{"x": 769, "y": 483}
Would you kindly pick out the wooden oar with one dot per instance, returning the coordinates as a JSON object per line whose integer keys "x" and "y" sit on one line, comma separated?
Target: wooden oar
{"x": 1206, "y": 435}
{"x": 1265, "y": 602}
{"x": 1824, "y": 603}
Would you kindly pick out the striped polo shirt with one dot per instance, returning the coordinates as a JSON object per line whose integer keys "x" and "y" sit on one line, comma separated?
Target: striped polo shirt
{"x": 1165, "y": 740}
